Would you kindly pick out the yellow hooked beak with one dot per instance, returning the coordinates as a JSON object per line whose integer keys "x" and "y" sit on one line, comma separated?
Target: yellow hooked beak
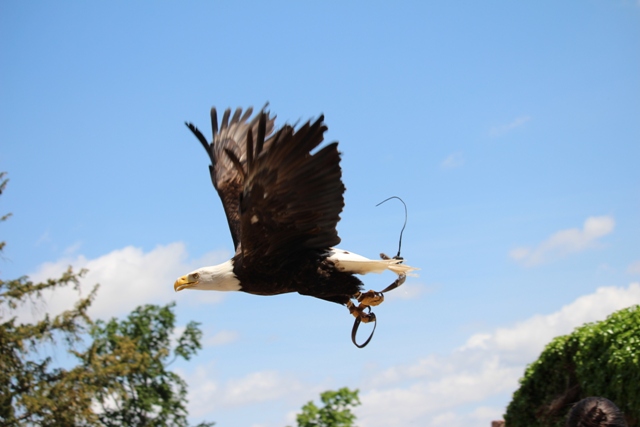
{"x": 185, "y": 282}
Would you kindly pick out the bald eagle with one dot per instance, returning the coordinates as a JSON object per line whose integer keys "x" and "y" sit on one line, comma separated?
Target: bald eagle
{"x": 282, "y": 204}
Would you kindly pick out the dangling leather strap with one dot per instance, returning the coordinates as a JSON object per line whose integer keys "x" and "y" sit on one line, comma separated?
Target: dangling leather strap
{"x": 371, "y": 315}
{"x": 391, "y": 287}
{"x": 394, "y": 285}
{"x": 354, "y": 330}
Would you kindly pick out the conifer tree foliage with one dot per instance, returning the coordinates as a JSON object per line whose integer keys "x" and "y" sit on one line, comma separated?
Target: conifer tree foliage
{"x": 121, "y": 377}
{"x": 597, "y": 359}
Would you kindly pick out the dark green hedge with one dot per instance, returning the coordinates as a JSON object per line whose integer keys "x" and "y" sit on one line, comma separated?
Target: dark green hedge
{"x": 596, "y": 359}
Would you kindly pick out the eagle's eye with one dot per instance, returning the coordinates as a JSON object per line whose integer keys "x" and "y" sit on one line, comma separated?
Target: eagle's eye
{"x": 195, "y": 276}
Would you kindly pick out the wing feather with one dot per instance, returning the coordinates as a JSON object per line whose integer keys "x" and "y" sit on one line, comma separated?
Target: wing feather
{"x": 226, "y": 170}
{"x": 291, "y": 198}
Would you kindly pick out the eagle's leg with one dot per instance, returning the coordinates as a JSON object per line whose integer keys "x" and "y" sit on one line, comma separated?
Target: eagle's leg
{"x": 373, "y": 298}
{"x": 358, "y": 312}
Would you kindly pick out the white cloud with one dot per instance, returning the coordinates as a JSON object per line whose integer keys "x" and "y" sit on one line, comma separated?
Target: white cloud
{"x": 69, "y": 251}
{"x": 634, "y": 267}
{"x": 259, "y": 387}
{"x": 220, "y": 338}
{"x": 525, "y": 340}
{"x": 471, "y": 385}
{"x": 407, "y": 291}
{"x": 454, "y": 160}
{"x": 430, "y": 399}
{"x": 519, "y": 253}
{"x": 500, "y": 130}
{"x": 477, "y": 417}
{"x": 565, "y": 242}
{"x": 440, "y": 390}
{"x": 456, "y": 389}
{"x": 128, "y": 277}
{"x": 208, "y": 394}
{"x": 44, "y": 238}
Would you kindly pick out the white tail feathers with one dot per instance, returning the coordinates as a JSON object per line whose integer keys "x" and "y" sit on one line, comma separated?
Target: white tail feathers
{"x": 402, "y": 268}
{"x": 357, "y": 264}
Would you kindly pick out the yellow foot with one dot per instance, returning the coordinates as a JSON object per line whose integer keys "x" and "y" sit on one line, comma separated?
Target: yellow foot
{"x": 370, "y": 298}
{"x": 358, "y": 312}
{"x": 361, "y": 317}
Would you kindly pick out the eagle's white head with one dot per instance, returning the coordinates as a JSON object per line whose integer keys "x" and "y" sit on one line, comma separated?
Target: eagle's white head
{"x": 216, "y": 278}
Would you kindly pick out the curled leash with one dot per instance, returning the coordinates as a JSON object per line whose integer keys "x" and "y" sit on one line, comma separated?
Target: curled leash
{"x": 370, "y": 315}
{"x": 403, "y": 226}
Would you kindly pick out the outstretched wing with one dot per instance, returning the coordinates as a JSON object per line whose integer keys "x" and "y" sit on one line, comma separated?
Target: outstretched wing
{"x": 291, "y": 199}
{"x": 231, "y": 136}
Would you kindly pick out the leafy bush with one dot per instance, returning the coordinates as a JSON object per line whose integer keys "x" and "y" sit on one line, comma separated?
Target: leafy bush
{"x": 597, "y": 359}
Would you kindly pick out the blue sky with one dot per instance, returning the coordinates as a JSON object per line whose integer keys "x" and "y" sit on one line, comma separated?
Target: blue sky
{"x": 511, "y": 129}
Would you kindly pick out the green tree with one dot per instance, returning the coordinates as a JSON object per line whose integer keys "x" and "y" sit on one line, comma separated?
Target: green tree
{"x": 336, "y": 411}
{"x": 122, "y": 376}
{"x": 31, "y": 391}
{"x": 127, "y": 362}
{"x": 597, "y": 359}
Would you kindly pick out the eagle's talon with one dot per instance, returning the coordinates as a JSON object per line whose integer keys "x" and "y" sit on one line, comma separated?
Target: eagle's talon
{"x": 355, "y": 311}
{"x": 368, "y": 317}
{"x": 371, "y": 298}
{"x": 358, "y": 312}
